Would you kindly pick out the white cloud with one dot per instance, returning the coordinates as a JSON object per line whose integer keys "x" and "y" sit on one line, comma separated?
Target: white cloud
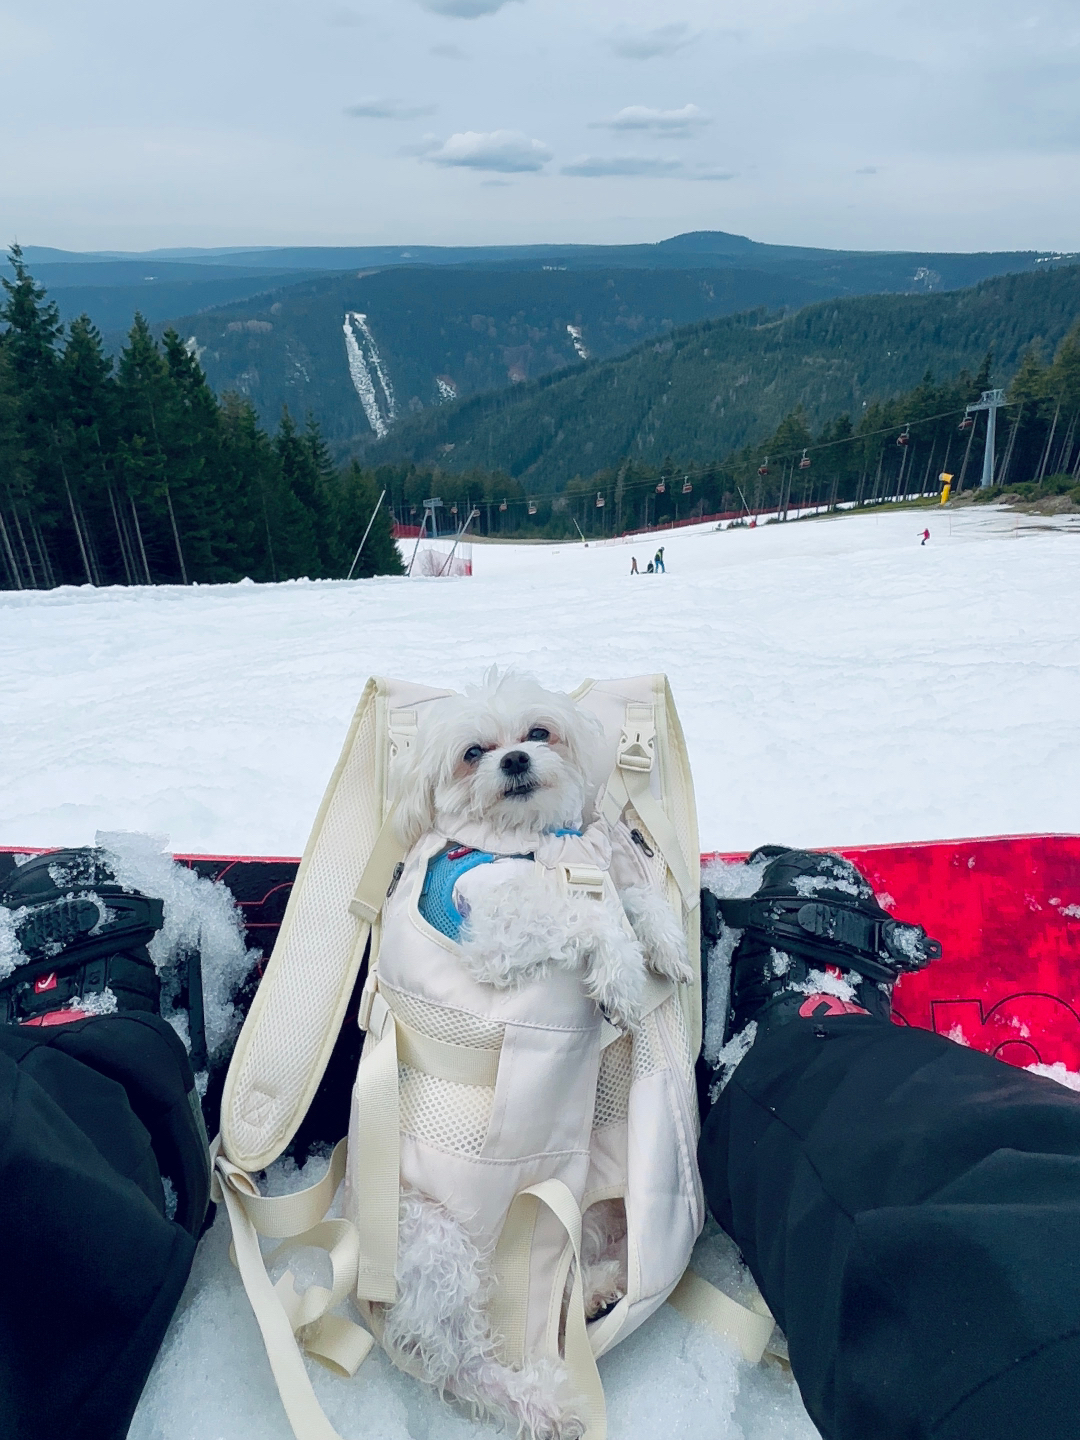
{"x": 506, "y": 151}
{"x": 712, "y": 172}
{"x": 464, "y": 9}
{"x": 387, "y": 110}
{"x": 867, "y": 170}
{"x": 646, "y": 44}
{"x": 668, "y": 122}
{"x": 651, "y": 165}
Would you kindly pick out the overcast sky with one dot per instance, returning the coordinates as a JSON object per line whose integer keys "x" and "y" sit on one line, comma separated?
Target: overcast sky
{"x": 877, "y": 124}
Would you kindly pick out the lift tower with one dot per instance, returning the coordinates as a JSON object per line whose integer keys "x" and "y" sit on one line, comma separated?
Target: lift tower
{"x": 991, "y": 402}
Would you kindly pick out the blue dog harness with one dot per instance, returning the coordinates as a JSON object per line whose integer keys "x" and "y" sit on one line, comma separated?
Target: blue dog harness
{"x": 436, "y": 903}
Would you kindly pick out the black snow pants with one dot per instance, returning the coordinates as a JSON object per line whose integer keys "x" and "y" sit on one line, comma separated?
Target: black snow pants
{"x": 91, "y": 1115}
{"x": 911, "y": 1212}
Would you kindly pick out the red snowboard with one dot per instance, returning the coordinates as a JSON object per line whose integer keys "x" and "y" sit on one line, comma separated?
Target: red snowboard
{"x": 1007, "y": 913}
{"x": 1006, "y": 910}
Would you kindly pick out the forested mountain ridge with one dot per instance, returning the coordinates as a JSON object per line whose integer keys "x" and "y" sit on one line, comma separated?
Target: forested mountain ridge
{"x": 704, "y": 391}
{"x": 430, "y": 335}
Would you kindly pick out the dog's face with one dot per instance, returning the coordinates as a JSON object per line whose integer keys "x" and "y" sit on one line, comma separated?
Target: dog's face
{"x": 507, "y": 753}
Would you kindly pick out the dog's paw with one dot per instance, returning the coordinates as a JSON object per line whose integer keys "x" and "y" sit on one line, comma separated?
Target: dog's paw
{"x": 660, "y": 933}
{"x": 672, "y": 965}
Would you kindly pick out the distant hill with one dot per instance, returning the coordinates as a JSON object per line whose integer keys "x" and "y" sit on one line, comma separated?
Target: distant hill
{"x": 110, "y": 291}
{"x": 707, "y": 389}
{"x": 110, "y": 286}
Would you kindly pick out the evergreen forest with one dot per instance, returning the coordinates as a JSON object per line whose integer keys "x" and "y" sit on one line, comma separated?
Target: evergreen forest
{"x": 896, "y": 450}
{"x": 134, "y": 472}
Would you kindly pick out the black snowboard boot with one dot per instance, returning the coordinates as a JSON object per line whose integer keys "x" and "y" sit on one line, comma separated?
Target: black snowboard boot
{"x": 79, "y": 942}
{"x": 814, "y": 942}
{"x": 84, "y": 986}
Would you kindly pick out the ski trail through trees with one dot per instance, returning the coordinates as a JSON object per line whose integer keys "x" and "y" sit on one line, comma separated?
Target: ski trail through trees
{"x": 363, "y": 356}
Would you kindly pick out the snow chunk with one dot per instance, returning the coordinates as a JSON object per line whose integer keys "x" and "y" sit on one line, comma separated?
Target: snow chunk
{"x": 729, "y": 1057}
{"x": 810, "y": 885}
{"x": 728, "y": 880}
{"x": 199, "y": 915}
{"x": 781, "y": 961}
{"x": 102, "y": 1002}
{"x": 12, "y": 954}
{"x": 1069, "y": 1078}
{"x": 820, "y": 982}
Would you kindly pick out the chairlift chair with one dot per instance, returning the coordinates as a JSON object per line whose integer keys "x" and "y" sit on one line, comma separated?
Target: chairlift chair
{"x": 599, "y": 501}
{"x": 453, "y": 509}
{"x": 503, "y": 505}
{"x": 661, "y": 487}
{"x": 904, "y": 438}
{"x": 967, "y": 422}
{"x": 804, "y": 463}
{"x": 763, "y": 468}
{"x": 687, "y": 488}
{"x": 532, "y": 507}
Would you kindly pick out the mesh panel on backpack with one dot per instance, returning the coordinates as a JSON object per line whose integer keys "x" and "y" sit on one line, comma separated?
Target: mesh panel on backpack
{"x": 442, "y": 1022}
{"x": 442, "y": 1113}
{"x": 613, "y": 1084}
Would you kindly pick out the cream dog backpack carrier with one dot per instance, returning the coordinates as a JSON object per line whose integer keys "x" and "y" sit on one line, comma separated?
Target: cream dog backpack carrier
{"x": 440, "y": 1084}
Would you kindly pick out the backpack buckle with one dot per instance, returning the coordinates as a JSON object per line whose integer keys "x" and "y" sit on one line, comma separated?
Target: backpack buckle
{"x": 585, "y": 878}
{"x": 637, "y": 744}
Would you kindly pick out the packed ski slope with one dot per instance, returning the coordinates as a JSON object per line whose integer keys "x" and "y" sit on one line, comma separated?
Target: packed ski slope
{"x": 839, "y": 683}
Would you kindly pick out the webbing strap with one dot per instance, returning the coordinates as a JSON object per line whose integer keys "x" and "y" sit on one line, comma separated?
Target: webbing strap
{"x": 512, "y": 1263}
{"x": 286, "y": 1319}
{"x": 375, "y": 1145}
{"x": 460, "y": 1064}
{"x": 704, "y": 1304}
{"x": 370, "y": 894}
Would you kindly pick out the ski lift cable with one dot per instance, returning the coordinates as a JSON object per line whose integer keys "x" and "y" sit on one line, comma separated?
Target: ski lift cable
{"x": 813, "y": 449}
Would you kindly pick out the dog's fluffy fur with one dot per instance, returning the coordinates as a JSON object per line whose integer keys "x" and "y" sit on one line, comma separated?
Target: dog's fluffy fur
{"x": 565, "y": 772}
{"x": 454, "y": 776}
{"x": 437, "y": 1329}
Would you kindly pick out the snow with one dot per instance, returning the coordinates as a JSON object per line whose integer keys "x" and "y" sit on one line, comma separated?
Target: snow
{"x": 838, "y": 684}
{"x": 198, "y": 916}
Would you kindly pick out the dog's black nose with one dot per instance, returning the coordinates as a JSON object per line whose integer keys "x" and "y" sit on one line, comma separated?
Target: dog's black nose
{"x": 514, "y": 762}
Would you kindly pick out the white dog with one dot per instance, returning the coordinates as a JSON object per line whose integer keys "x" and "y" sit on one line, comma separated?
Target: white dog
{"x": 501, "y": 767}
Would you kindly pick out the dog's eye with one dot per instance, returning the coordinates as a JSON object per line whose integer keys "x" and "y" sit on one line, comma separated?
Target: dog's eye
{"x": 472, "y": 754}
{"x": 538, "y": 733}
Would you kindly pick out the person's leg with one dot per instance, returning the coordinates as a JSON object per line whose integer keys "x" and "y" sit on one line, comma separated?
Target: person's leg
{"x": 92, "y": 1268}
{"x": 911, "y": 1212}
{"x": 909, "y": 1208}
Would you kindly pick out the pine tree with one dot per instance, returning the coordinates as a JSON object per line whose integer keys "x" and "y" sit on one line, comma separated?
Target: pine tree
{"x": 357, "y": 499}
{"x": 302, "y": 458}
{"x": 30, "y": 340}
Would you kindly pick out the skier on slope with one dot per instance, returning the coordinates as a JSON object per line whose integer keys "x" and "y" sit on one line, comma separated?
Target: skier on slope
{"x": 633, "y": 565}
{"x": 925, "y": 536}
{"x": 658, "y": 561}
{"x": 909, "y": 1207}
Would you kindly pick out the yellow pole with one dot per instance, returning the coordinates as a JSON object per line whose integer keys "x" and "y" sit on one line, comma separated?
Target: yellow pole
{"x": 946, "y": 485}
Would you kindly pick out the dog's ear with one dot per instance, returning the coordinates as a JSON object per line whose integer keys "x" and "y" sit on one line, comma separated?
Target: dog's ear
{"x": 414, "y": 797}
{"x": 588, "y": 751}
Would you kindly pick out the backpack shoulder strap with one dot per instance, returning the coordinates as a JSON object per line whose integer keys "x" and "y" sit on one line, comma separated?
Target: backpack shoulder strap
{"x": 650, "y": 789}
{"x": 331, "y": 922}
